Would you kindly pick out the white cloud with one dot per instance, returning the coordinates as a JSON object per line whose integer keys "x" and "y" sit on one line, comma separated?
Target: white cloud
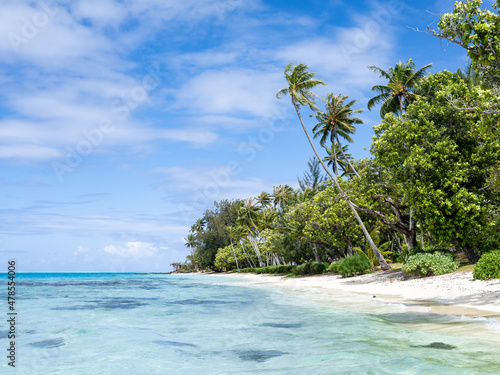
{"x": 134, "y": 249}
{"x": 236, "y": 91}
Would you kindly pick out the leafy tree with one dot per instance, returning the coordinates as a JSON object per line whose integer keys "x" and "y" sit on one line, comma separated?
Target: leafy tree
{"x": 441, "y": 161}
{"x": 300, "y": 82}
{"x": 213, "y": 234}
{"x": 229, "y": 257}
{"x": 398, "y": 92}
{"x": 380, "y": 194}
{"x": 478, "y": 31}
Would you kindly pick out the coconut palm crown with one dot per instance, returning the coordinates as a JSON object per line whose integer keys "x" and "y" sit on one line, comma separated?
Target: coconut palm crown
{"x": 300, "y": 82}
{"x": 337, "y": 121}
{"x": 397, "y": 94}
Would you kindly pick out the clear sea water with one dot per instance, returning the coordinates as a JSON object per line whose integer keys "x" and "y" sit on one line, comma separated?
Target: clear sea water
{"x": 173, "y": 324}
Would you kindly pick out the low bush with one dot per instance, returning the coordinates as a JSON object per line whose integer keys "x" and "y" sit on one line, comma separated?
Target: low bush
{"x": 309, "y": 268}
{"x": 354, "y": 265}
{"x": 429, "y": 264}
{"x": 333, "y": 268}
{"x": 488, "y": 266}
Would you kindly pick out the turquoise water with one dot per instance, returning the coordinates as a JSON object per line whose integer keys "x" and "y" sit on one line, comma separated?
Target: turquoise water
{"x": 174, "y": 324}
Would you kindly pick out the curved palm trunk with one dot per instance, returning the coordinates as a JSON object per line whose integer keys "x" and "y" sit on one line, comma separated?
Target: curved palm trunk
{"x": 249, "y": 258}
{"x": 253, "y": 242}
{"x": 234, "y": 253}
{"x": 380, "y": 258}
{"x": 345, "y": 157}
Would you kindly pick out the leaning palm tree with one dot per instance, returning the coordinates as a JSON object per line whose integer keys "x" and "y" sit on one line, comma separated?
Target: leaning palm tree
{"x": 397, "y": 93}
{"x": 300, "y": 82}
{"x": 337, "y": 121}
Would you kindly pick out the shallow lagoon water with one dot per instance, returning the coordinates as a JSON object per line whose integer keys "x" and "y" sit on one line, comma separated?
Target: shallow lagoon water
{"x": 176, "y": 324}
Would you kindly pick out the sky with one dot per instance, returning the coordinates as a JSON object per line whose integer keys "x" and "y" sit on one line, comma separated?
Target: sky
{"x": 122, "y": 121}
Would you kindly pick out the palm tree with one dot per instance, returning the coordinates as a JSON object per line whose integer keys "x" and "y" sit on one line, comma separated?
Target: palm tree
{"x": 281, "y": 195}
{"x": 264, "y": 199}
{"x": 337, "y": 121}
{"x": 300, "y": 82}
{"x": 397, "y": 94}
{"x": 190, "y": 241}
{"x": 339, "y": 156}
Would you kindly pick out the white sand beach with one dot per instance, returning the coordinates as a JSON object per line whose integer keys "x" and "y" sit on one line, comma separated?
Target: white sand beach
{"x": 456, "y": 293}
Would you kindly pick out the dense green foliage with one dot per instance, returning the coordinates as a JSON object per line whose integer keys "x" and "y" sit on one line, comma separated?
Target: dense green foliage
{"x": 357, "y": 264}
{"x": 488, "y": 267}
{"x": 429, "y": 264}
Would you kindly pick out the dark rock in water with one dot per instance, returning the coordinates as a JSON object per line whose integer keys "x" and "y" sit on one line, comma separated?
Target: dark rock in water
{"x": 48, "y": 344}
{"x": 258, "y": 355}
{"x": 436, "y": 345}
{"x": 108, "y": 304}
{"x": 174, "y": 343}
{"x": 282, "y": 325}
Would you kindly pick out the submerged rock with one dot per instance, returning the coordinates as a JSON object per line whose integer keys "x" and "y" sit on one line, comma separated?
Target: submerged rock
{"x": 51, "y": 343}
{"x": 436, "y": 345}
{"x": 258, "y": 355}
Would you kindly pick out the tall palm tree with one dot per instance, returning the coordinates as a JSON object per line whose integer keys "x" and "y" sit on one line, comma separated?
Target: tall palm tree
{"x": 337, "y": 121}
{"x": 397, "y": 94}
{"x": 300, "y": 82}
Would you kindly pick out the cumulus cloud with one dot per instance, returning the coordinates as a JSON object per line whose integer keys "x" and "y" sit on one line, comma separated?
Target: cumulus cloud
{"x": 135, "y": 249}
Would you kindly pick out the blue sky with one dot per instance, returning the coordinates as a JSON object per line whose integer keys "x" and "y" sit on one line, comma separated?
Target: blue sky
{"x": 122, "y": 121}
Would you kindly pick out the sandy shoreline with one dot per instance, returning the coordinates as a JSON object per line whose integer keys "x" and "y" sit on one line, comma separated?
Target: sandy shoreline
{"x": 455, "y": 294}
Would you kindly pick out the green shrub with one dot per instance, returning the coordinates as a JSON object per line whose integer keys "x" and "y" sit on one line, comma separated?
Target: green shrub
{"x": 309, "y": 268}
{"x": 353, "y": 265}
{"x": 488, "y": 266}
{"x": 285, "y": 269}
{"x": 333, "y": 268}
{"x": 428, "y": 264}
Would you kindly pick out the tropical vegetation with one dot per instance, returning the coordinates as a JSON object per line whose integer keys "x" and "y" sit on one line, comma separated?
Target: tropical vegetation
{"x": 429, "y": 191}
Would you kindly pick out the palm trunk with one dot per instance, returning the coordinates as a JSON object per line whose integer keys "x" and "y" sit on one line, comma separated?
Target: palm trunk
{"x": 249, "y": 258}
{"x": 345, "y": 157}
{"x": 234, "y": 253}
{"x": 255, "y": 248}
{"x": 335, "y": 166}
{"x": 380, "y": 258}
